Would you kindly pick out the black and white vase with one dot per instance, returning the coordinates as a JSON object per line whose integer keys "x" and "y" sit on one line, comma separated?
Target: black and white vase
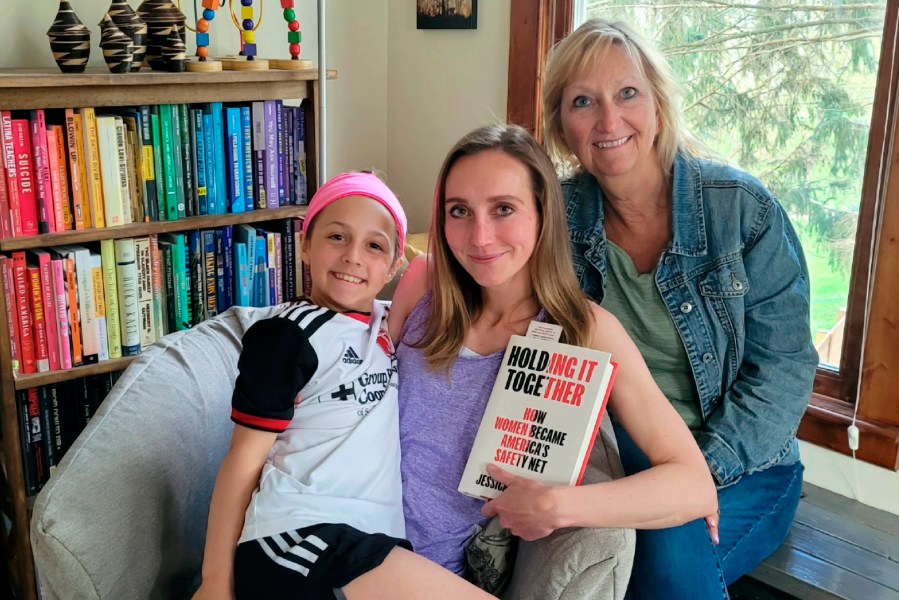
{"x": 133, "y": 26}
{"x": 160, "y": 16}
{"x": 70, "y": 40}
{"x": 117, "y": 46}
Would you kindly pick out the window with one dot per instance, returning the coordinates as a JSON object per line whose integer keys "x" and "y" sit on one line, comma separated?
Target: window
{"x": 800, "y": 96}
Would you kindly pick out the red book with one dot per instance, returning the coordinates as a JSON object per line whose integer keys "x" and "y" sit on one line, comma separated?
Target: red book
{"x": 5, "y": 221}
{"x": 23, "y": 310}
{"x": 9, "y": 165}
{"x": 41, "y": 259}
{"x": 41, "y": 344}
{"x": 43, "y": 187}
{"x": 12, "y": 324}
{"x": 25, "y": 176}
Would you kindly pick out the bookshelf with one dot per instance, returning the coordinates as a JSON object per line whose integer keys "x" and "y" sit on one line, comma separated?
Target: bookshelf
{"x": 22, "y": 89}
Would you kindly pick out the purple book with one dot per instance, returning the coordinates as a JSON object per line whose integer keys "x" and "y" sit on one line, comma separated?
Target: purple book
{"x": 282, "y": 153}
{"x": 271, "y": 155}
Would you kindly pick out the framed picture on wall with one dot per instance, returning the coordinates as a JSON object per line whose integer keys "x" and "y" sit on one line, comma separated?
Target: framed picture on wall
{"x": 447, "y": 14}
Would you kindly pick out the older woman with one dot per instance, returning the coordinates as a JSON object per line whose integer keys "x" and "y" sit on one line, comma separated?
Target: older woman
{"x": 700, "y": 264}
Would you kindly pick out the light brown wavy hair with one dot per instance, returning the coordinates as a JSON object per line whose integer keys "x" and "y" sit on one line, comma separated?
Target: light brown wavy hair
{"x": 585, "y": 47}
{"x": 457, "y": 299}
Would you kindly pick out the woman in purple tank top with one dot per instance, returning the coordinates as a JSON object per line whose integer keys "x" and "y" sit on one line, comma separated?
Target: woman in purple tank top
{"x": 499, "y": 258}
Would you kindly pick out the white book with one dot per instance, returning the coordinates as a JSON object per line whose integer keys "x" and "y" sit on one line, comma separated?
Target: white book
{"x": 145, "y": 310}
{"x": 542, "y": 416}
{"x": 126, "y": 280}
{"x": 110, "y": 171}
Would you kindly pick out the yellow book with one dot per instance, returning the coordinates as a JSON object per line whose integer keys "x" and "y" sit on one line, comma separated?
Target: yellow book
{"x": 111, "y": 295}
{"x": 92, "y": 164}
{"x": 96, "y": 269}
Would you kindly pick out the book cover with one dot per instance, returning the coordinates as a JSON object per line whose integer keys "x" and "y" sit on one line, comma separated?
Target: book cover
{"x": 209, "y": 271}
{"x": 188, "y": 162}
{"x": 34, "y": 456}
{"x": 5, "y": 214}
{"x": 198, "y": 138}
{"x": 196, "y": 278}
{"x": 218, "y": 146}
{"x": 54, "y": 191}
{"x": 246, "y": 148}
{"x": 212, "y": 192}
{"x": 271, "y": 154}
{"x": 246, "y": 234}
{"x": 257, "y": 112}
{"x": 58, "y": 271}
{"x": 110, "y": 171}
{"x": 148, "y": 163}
{"x": 111, "y": 298}
{"x": 62, "y": 164}
{"x": 300, "y": 153}
{"x": 157, "y": 279}
{"x": 71, "y": 301}
{"x": 234, "y": 160}
{"x": 41, "y": 259}
{"x": 131, "y": 212}
{"x": 542, "y": 416}
{"x": 159, "y": 170}
{"x": 282, "y": 153}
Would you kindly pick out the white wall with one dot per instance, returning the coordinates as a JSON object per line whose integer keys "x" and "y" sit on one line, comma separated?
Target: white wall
{"x": 866, "y": 483}
{"x": 442, "y": 84}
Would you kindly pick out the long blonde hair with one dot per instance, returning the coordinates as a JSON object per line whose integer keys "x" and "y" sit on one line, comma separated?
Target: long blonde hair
{"x": 585, "y": 47}
{"x": 457, "y": 299}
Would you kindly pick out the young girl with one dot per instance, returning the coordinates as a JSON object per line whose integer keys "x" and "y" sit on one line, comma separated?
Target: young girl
{"x": 308, "y": 501}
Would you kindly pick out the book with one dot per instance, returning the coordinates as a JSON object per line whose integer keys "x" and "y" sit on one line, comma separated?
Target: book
{"x": 542, "y": 416}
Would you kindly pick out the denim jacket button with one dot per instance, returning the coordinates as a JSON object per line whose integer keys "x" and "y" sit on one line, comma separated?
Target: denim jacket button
{"x": 738, "y": 285}
{"x": 686, "y": 307}
{"x": 668, "y": 260}
{"x": 707, "y": 357}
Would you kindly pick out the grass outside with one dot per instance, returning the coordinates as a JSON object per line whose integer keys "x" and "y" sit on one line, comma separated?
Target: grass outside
{"x": 830, "y": 288}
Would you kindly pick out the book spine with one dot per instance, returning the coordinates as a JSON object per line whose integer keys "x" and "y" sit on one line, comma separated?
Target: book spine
{"x": 271, "y": 155}
{"x": 197, "y": 278}
{"x": 246, "y": 148}
{"x": 86, "y": 310}
{"x": 158, "y": 281}
{"x": 258, "y": 114}
{"x": 54, "y": 192}
{"x": 282, "y": 153}
{"x": 110, "y": 172}
{"x": 234, "y": 160}
{"x": 36, "y": 442}
{"x": 179, "y": 160}
{"x": 62, "y": 311}
{"x": 25, "y": 177}
{"x": 168, "y": 163}
{"x": 9, "y": 163}
{"x": 5, "y": 215}
{"x": 289, "y": 149}
{"x": 188, "y": 162}
{"x": 48, "y": 299}
{"x": 199, "y": 137}
{"x": 125, "y": 190}
{"x": 77, "y": 171}
{"x": 74, "y": 309}
{"x": 42, "y": 188}
{"x": 242, "y": 281}
{"x": 166, "y": 251}
{"x": 209, "y": 272}
{"x": 96, "y": 274}
{"x": 92, "y": 152}
{"x": 209, "y": 148}
{"x": 148, "y": 163}
{"x": 228, "y": 264}
{"x": 146, "y": 313}
{"x": 111, "y": 298}
{"x": 46, "y": 409}
{"x": 41, "y": 349}
{"x": 29, "y": 465}
{"x": 127, "y": 288}
{"x": 218, "y": 131}
{"x": 65, "y": 191}
{"x": 12, "y": 324}
{"x": 161, "y": 193}
{"x": 288, "y": 258}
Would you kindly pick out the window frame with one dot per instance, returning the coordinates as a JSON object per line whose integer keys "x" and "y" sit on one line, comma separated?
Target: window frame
{"x": 535, "y": 25}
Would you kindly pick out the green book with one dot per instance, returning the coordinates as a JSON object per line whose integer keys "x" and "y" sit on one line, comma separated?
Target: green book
{"x": 166, "y": 127}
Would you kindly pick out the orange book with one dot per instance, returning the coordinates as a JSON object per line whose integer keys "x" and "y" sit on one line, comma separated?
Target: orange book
{"x": 54, "y": 194}
{"x": 61, "y": 162}
{"x": 77, "y": 171}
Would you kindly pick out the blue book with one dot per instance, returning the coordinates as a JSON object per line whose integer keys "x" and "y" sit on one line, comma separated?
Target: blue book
{"x": 246, "y": 235}
{"x": 300, "y": 153}
{"x": 209, "y": 146}
{"x": 218, "y": 128}
{"x": 234, "y": 160}
{"x": 199, "y": 136}
{"x": 260, "y": 282}
{"x": 246, "y": 123}
{"x": 242, "y": 282}
{"x": 196, "y": 278}
{"x": 209, "y": 272}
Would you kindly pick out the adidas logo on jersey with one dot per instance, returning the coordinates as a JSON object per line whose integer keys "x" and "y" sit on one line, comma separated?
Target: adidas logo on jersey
{"x": 351, "y": 358}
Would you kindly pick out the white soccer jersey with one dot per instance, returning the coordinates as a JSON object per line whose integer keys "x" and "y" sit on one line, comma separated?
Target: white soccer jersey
{"x": 336, "y": 458}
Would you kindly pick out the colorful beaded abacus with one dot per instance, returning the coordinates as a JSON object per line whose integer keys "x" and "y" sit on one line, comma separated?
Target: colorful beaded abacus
{"x": 203, "y": 63}
{"x": 247, "y": 27}
{"x": 294, "y": 37}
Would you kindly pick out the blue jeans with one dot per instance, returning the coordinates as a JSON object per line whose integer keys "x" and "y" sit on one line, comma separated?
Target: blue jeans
{"x": 682, "y": 562}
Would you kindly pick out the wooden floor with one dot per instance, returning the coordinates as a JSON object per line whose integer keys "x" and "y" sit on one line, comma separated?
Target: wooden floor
{"x": 837, "y": 548}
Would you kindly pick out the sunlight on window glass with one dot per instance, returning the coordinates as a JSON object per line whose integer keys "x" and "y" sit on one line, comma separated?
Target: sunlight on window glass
{"x": 783, "y": 91}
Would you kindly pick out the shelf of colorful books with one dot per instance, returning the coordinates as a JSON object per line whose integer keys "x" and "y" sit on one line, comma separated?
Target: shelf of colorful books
{"x": 147, "y": 228}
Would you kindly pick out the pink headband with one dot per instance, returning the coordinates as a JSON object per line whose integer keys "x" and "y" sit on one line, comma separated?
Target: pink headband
{"x": 357, "y": 184}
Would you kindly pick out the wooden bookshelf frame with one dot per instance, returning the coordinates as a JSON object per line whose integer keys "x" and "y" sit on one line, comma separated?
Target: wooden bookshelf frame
{"x": 22, "y": 89}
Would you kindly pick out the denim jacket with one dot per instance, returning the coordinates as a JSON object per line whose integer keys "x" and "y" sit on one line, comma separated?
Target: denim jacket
{"x": 736, "y": 284}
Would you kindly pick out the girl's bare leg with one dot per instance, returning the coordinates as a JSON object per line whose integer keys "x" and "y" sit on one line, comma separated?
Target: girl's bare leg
{"x": 405, "y": 575}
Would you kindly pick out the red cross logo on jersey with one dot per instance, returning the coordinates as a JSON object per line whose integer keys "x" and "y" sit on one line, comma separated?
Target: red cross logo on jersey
{"x": 385, "y": 343}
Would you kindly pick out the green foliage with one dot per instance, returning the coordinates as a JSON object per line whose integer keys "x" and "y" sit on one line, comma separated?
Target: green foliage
{"x": 782, "y": 89}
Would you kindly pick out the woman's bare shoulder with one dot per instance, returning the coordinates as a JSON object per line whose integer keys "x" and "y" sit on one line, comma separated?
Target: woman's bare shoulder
{"x": 409, "y": 291}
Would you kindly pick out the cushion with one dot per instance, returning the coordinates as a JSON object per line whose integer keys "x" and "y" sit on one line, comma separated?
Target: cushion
{"x": 124, "y": 516}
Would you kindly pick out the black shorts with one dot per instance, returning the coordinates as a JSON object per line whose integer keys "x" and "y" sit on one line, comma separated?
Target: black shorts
{"x": 308, "y": 563}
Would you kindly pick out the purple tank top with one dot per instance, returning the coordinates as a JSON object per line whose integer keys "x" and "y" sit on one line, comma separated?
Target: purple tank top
{"x": 439, "y": 418}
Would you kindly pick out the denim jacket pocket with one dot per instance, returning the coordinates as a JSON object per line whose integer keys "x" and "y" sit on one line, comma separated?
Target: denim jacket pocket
{"x": 724, "y": 289}
{"x": 726, "y": 281}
